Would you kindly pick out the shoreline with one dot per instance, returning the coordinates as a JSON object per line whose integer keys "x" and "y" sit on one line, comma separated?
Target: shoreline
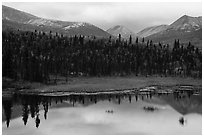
{"x": 95, "y": 85}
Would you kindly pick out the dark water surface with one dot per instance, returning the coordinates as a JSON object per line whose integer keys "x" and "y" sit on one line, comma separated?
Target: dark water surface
{"x": 164, "y": 113}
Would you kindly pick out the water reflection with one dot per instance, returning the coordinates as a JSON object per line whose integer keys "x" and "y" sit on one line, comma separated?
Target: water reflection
{"x": 25, "y": 112}
{"x": 32, "y": 104}
{"x": 37, "y": 121}
{"x": 7, "y": 104}
{"x": 182, "y": 121}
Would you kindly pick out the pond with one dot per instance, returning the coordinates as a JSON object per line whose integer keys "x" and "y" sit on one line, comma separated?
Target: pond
{"x": 164, "y": 113}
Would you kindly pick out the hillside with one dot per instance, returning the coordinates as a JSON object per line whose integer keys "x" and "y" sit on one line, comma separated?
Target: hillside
{"x": 152, "y": 30}
{"x": 185, "y": 28}
{"x": 15, "y": 19}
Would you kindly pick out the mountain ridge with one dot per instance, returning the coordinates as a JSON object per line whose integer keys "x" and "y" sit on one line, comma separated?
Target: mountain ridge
{"x": 12, "y": 16}
{"x": 185, "y": 28}
{"x": 187, "y": 23}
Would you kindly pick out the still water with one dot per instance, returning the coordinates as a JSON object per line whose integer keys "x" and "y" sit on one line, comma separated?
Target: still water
{"x": 103, "y": 114}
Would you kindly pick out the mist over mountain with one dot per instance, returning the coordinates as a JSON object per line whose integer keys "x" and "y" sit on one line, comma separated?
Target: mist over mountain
{"x": 119, "y": 29}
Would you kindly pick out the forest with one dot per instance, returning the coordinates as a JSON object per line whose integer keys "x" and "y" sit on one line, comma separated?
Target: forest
{"x": 36, "y": 56}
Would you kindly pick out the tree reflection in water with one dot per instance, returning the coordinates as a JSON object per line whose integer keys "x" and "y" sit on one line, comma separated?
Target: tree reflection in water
{"x": 7, "y": 104}
{"x": 25, "y": 113}
{"x": 45, "y": 106}
{"x": 37, "y": 120}
{"x": 31, "y": 104}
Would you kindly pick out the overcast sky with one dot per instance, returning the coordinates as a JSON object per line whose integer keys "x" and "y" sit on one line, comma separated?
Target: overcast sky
{"x": 135, "y": 16}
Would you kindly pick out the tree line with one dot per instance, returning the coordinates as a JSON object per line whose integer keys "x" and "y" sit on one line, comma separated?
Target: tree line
{"x": 35, "y": 56}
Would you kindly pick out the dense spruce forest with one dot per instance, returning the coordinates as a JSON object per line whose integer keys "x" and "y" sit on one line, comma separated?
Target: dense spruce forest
{"x": 35, "y": 56}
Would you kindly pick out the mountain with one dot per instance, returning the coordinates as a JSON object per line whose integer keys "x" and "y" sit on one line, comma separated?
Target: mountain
{"x": 186, "y": 105}
{"x": 15, "y": 19}
{"x": 152, "y": 30}
{"x": 187, "y": 23}
{"x": 185, "y": 28}
{"x": 125, "y": 32}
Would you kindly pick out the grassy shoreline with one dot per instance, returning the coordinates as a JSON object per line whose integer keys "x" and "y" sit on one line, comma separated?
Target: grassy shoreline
{"x": 94, "y": 84}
